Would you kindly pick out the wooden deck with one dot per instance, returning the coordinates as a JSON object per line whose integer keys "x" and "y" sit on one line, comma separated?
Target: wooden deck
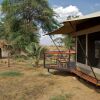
{"x": 58, "y": 63}
{"x": 56, "y": 67}
{"x": 77, "y": 72}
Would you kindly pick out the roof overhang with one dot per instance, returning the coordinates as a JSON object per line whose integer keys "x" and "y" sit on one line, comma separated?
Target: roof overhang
{"x": 73, "y": 26}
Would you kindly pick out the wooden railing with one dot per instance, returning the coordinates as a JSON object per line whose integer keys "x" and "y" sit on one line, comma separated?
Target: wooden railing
{"x": 57, "y": 59}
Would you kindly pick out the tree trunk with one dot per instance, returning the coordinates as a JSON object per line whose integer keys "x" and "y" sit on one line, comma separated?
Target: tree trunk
{"x": 8, "y": 59}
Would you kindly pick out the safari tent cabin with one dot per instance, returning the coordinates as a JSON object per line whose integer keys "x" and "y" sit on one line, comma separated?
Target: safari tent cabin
{"x": 86, "y": 31}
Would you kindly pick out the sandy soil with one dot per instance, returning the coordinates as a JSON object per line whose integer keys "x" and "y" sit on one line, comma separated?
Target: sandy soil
{"x": 38, "y": 84}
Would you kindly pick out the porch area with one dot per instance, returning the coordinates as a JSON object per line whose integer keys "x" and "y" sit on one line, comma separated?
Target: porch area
{"x": 65, "y": 61}
{"x": 59, "y": 60}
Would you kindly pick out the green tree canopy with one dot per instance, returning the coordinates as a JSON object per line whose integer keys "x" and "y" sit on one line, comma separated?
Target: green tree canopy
{"x": 22, "y": 19}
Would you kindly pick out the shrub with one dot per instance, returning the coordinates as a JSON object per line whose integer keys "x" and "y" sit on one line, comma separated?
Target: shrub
{"x": 61, "y": 97}
{"x": 10, "y": 74}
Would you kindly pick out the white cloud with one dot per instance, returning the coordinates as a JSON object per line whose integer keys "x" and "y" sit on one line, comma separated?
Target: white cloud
{"x": 45, "y": 39}
{"x": 63, "y": 13}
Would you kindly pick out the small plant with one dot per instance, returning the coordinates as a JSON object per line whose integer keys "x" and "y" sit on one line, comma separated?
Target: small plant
{"x": 34, "y": 50}
{"x": 10, "y": 74}
{"x": 61, "y": 97}
{"x": 58, "y": 97}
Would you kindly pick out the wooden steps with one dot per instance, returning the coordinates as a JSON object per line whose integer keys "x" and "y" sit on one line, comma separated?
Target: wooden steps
{"x": 86, "y": 77}
{"x": 77, "y": 72}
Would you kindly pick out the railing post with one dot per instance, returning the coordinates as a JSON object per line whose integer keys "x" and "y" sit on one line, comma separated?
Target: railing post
{"x": 48, "y": 69}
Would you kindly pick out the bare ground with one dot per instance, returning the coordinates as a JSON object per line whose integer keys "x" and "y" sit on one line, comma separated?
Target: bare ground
{"x": 38, "y": 84}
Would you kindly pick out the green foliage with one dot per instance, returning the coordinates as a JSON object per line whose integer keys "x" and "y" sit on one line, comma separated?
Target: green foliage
{"x": 34, "y": 50}
{"x": 10, "y": 74}
{"x": 44, "y": 49}
{"x": 61, "y": 97}
{"x": 68, "y": 41}
{"x": 19, "y": 27}
{"x": 30, "y": 12}
{"x": 20, "y": 57}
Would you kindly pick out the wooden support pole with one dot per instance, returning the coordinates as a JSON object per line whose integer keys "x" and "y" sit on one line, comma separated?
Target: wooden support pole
{"x": 86, "y": 49}
{"x": 48, "y": 69}
{"x": 76, "y": 49}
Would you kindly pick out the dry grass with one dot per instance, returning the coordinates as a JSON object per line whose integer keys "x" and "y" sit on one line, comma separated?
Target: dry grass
{"x": 62, "y": 97}
{"x": 37, "y": 84}
{"x": 55, "y": 48}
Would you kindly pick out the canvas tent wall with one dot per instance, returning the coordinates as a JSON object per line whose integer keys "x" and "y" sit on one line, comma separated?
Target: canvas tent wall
{"x": 86, "y": 30}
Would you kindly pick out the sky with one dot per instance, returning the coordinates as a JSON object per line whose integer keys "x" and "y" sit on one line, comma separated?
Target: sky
{"x": 64, "y": 8}
{"x": 71, "y": 7}
{"x": 85, "y": 6}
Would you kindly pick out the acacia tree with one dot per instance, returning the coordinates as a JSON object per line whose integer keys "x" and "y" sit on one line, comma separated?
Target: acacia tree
{"x": 30, "y": 13}
{"x": 24, "y": 17}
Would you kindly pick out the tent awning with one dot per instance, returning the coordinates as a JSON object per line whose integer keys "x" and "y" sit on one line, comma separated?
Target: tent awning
{"x": 63, "y": 30}
{"x": 70, "y": 26}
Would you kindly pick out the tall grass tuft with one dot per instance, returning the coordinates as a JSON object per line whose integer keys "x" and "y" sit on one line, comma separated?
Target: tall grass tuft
{"x": 10, "y": 74}
{"x": 61, "y": 97}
